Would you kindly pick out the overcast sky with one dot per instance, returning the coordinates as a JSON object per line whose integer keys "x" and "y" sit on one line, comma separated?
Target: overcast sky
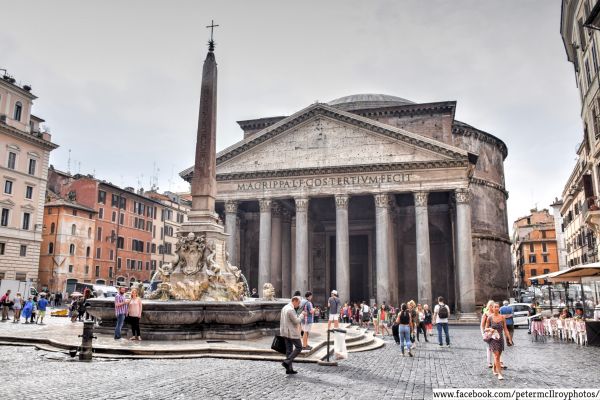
{"x": 118, "y": 81}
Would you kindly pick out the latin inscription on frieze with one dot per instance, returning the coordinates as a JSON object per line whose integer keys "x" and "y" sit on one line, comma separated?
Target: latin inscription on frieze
{"x": 337, "y": 181}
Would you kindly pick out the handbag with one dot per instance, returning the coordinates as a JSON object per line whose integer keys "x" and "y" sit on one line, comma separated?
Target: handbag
{"x": 490, "y": 335}
{"x": 279, "y": 344}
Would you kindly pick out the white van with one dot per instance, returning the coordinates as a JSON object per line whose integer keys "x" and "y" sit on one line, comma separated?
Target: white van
{"x": 105, "y": 291}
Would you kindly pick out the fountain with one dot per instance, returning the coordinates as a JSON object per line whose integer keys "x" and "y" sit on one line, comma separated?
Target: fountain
{"x": 201, "y": 296}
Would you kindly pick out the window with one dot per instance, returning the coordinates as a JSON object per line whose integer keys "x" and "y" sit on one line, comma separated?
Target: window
{"x": 137, "y": 245}
{"x": 73, "y": 229}
{"x": 100, "y": 213}
{"x": 119, "y": 263}
{"x": 29, "y": 192}
{"x": 50, "y": 211}
{"x": 122, "y": 219}
{"x": 8, "y": 187}
{"x": 588, "y": 75}
{"x": 50, "y": 248}
{"x": 72, "y": 249}
{"x": 97, "y": 271}
{"x": 101, "y": 197}
{"x": 98, "y": 252}
{"x": 153, "y": 250}
{"x": 545, "y": 259}
{"x": 528, "y": 220}
{"x": 23, "y": 251}
{"x": 543, "y": 234}
{"x": 533, "y": 272}
{"x": 26, "y": 218}
{"x": 168, "y": 247}
{"x": 147, "y": 265}
{"x": 111, "y": 254}
{"x": 87, "y": 269}
{"x": 140, "y": 264}
{"x": 546, "y": 271}
{"x": 99, "y": 234}
{"x": 89, "y": 233}
{"x": 71, "y": 269}
{"x": 87, "y": 251}
{"x": 110, "y": 272}
{"x": 52, "y": 227}
{"x": 114, "y": 200}
{"x": 4, "y": 217}
{"x": 12, "y": 160}
{"x": 18, "y": 111}
{"x": 74, "y": 212}
{"x": 2, "y": 249}
{"x": 114, "y": 216}
{"x": 532, "y": 258}
{"x": 531, "y": 247}
{"x": 32, "y": 164}
{"x": 544, "y": 248}
{"x": 120, "y": 242}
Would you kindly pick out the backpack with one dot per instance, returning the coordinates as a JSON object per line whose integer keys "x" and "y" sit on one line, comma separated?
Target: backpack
{"x": 443, "y": 311}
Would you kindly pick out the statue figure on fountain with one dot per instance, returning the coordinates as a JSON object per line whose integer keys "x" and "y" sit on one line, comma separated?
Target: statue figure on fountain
{"x": 196, "y": 274}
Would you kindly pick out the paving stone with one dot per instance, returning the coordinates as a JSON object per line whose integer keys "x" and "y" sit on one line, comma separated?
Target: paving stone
{"x": 378, "y": 374}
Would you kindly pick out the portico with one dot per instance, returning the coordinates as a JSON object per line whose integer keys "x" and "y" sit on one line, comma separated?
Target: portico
{"x": 326, "y": 199}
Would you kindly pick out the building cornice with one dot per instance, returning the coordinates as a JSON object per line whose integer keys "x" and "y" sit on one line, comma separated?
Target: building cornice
{"x": 408, "y": 109}
{"x": 28, "y": 137}
{"x": 460, "y": 128}
{"x": 490, "y": 184}
{"x": 491, "y": 236}
{"x": 366, "y": 168}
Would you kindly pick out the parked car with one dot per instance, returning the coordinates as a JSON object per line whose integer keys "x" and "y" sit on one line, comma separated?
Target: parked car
{"x": 520, "y": 313}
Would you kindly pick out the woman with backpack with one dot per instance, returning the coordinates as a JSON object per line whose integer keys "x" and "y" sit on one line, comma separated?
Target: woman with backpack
{"x": 405, "y": 326}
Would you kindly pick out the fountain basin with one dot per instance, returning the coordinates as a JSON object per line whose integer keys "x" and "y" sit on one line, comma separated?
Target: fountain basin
{"x": 192, "y": 320}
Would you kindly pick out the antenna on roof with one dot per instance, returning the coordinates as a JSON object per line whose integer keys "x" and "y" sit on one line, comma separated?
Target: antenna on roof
{"x": 69, "y": 163}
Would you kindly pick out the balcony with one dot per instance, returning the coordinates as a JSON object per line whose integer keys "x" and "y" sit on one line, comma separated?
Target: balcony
{"x": 591, "y": 213}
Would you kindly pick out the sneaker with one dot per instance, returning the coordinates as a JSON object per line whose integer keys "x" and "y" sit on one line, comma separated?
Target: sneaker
{"x": 284, "y": 365}
{"x": 441, "y": 344}
{"x": 500, "y": 377}
{"x": 291, "y": 372}
{"x": 448, "y": 345}
{"x": 490, "y": 366}
{"x": 410, "y": 353}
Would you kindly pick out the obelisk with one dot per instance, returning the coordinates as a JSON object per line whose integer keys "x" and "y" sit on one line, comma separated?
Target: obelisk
{"x": 202, "y": 216}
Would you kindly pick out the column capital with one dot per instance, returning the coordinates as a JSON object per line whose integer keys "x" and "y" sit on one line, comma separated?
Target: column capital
{"x": 231, "y": 206}
{"x": 301, "y": 203}
{"x": 341, "y": 201}
{"x": 383, "y": 200}
{"x": 276, "y": 209}
{"x": 421, "y": 199}
{"x": 462, "y": 196}
{"x": 264, "y": 205}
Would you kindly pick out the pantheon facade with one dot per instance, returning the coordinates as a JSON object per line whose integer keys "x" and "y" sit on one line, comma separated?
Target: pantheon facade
{"x": 376, "y": 196}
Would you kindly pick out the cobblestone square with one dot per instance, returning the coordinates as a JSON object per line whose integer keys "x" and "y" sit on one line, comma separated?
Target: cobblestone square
{"x": 378, "y": 374}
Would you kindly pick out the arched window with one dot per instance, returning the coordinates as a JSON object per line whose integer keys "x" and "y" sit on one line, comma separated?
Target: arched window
{"x": 52, "y": 227}
{"x": 87, "y": 251}
{"x": 18, "y": 110}
{"x": 50, "y": 248}
{"x": 89, "y": 232}
{"x": 72, "y": 249}
{"x": 73, "y": 229}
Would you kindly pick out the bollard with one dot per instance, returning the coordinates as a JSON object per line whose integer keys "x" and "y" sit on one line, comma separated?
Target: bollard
{"x": 327, "y": 362}
{"x": 85, "y": 353}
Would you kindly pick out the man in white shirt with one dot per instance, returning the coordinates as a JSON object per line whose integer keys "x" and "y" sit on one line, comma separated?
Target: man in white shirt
{"x": 440, "y": 319}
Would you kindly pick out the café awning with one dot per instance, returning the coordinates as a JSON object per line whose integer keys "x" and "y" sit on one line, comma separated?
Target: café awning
{"x": 575, "y": 274}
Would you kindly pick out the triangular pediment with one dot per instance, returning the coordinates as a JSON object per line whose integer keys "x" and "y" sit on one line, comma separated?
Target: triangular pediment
{"x": 324, "y": 137}
{"x": 7, "y": 203}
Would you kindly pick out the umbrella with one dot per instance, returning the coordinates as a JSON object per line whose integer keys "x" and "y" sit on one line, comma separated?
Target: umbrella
{"x": 76, "y": 294}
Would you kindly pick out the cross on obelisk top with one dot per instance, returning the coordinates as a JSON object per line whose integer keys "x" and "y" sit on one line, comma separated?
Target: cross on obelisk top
{"x": 211, "y": 42}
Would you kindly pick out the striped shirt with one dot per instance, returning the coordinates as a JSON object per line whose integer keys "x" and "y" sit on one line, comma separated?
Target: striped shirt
{"x": 122, "y": 309}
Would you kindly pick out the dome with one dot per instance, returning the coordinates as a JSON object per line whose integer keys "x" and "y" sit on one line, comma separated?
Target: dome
{"x": 368, "y": 100}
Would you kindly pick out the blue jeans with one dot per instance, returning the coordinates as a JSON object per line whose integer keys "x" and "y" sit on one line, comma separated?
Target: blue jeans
{"x": 404, "y": 333}
{"x": 444, "y": 326}
{"x": 120, "y": 322}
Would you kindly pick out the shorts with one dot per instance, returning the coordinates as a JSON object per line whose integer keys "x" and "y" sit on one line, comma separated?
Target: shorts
{"x": 366, "y": 318}
{"x": 306, "y": 327}
{"x": 383, "y": 323}
{"x": 41, "y": 314}
{"x": 334, "y": 317}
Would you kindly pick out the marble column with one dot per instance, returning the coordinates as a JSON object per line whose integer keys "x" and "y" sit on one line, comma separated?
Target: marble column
{"x": 301, "y": 272}
{"x": 264, "y": 244}
{"x": 464, "y": 252}
{"x": 286, "y": 254}
{"x": 382, "y": 248}
{"x": 276, "y": 247}
{"x": 342, "y": 249}
{"x": 231, "y": 218}
{"x": 393, "y": 243}
{"x": 423, "y": 248}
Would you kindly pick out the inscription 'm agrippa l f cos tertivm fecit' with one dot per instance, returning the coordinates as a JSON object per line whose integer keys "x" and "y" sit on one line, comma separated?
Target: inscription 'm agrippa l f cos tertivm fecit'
{"x": 326, "y": 181}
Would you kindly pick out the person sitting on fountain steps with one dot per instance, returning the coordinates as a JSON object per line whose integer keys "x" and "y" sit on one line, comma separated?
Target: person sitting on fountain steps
{"x": 289, "y": 329}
